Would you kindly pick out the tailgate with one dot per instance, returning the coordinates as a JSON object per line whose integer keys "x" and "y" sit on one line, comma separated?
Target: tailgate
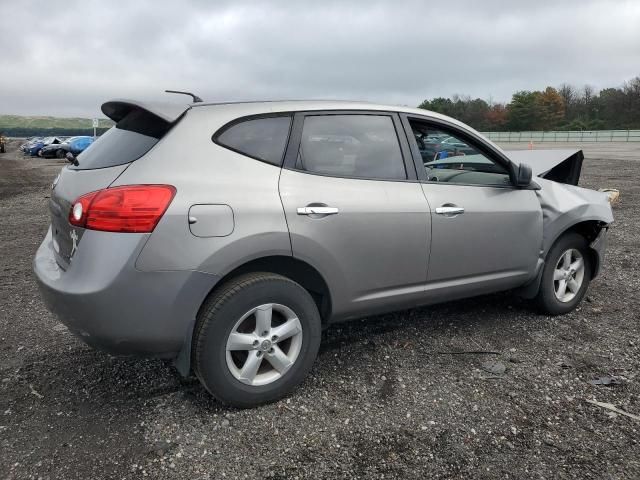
{"x": 70, "y": 185}
{"x": 139, "y": 127}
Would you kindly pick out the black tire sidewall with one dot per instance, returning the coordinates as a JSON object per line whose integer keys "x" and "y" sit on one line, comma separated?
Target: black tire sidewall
{"x": 218, "y": 321}
{"x": 547, "y": 300}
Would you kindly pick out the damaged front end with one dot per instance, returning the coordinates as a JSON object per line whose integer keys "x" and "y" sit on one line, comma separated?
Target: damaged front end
{"x": 565, "y": 206}
{"x": 562, "y": 166}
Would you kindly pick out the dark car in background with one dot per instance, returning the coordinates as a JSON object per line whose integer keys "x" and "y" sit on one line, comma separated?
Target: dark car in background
{"x": 453, "y": 147}
{"x": 34, "y": 147}
{"x": 429, "y": 144}
{"x": 74, "y": 145}
{"x": 29, "y": 141}
{"x": 435, "y": 145}
{"x": 56, "y": 150}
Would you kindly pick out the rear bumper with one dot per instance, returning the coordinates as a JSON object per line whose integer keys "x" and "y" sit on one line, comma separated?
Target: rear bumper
{"x": 112, "y": 306}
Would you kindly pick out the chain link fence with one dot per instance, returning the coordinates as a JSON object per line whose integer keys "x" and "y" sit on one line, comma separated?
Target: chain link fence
{"x": 566, "y": 136}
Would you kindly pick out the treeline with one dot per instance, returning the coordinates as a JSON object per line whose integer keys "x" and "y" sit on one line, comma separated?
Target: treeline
{"x": 563, "y": 108}
{"x": 25, "y": 132}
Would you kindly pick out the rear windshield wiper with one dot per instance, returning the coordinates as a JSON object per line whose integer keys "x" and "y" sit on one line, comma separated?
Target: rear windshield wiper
{"x": 71, "y": 158}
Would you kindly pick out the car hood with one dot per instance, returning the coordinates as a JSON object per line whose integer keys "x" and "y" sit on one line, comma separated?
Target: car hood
{"x": 560, "y": 165}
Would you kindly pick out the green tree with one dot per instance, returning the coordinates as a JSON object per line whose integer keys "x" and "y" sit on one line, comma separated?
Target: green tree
{"x": 439, "y": 105}
{"x": 613, "y": 108}
{"x": 565, "y": 108}
{"x": 550, "y": 107}
{"x": 631, "y": 114}
{"x": 522, "y": 112}
{"x": 496, "y": 117}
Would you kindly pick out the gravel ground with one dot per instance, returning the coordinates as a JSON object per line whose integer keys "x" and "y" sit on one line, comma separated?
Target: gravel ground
{"x": 394, "y": 396}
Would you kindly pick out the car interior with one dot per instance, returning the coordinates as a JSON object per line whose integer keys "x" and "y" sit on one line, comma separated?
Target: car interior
{"x": 447, "y": 158}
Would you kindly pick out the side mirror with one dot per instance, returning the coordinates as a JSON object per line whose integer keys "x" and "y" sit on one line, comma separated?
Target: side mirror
{"x": 523, "y": 175}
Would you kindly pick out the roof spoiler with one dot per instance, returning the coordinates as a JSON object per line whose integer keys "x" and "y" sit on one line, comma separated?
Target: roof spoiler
{"x": 117, "y": 109}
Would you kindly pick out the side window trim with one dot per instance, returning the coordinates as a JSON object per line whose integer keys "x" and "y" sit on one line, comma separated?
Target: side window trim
{"x": 454, "y": 130}
{"x": 239, "y": 120}
{"x": 295, "y": 137}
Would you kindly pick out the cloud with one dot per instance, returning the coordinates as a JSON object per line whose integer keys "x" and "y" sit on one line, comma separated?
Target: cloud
{"x": 67, "y": 61}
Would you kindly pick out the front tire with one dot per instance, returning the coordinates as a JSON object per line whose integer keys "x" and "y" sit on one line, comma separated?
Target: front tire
{"x": 256, "y": 339}
{"x": 60, "y": 153}
{"x": 566, "y": 275}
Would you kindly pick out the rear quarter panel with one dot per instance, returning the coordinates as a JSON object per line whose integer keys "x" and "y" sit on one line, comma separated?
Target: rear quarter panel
{"x": 205, "y": 173}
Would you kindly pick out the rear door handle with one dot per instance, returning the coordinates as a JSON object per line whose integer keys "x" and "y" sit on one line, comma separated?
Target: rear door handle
{"x": 449, "y": 210}
{"x": 317, "y": 210}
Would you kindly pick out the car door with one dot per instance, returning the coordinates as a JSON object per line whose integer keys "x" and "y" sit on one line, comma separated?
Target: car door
{"x": 486, "y": 233}
{"x": 355, "y": 209}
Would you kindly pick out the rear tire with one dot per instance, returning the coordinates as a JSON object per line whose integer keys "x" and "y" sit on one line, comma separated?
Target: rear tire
{"x": 566, "y": 275}
{"x": 256, "y": 339}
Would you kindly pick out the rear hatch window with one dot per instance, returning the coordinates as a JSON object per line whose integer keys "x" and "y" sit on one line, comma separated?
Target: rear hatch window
{"x": 133, "y": 136}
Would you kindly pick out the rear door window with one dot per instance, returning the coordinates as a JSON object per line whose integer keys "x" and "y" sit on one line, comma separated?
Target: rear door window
{"x": 361, "y": 146}
{"x": 261, "y": 138}
{"x": 130, "y": 139}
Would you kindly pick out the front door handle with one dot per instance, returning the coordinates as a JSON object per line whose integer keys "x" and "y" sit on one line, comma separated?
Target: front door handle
{"x": 449, "y": 210}
{"x": 317, "y": 210}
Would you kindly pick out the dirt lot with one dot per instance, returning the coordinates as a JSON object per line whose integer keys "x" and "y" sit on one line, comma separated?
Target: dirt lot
{"x": 394, "y": 396}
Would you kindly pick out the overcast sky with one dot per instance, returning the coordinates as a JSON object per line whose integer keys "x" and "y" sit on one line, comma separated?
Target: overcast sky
{"x": 66, "y": 58}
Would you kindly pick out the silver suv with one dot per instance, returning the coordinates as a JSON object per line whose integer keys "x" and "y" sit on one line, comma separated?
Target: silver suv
{"x": 227, "y": 236}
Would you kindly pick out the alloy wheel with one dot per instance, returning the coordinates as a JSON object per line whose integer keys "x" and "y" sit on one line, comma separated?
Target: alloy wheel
{"x": 568, "y": 275}
{"x": 264, "y": 344}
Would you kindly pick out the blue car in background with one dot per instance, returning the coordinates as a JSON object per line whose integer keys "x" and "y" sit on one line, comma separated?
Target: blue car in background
{"x": 30, "y": 141}
{"x": 79, "y": 144}
{"x": 74, "y": 145}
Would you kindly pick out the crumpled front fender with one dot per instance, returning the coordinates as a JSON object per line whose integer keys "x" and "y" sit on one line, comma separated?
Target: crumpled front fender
{"x": 564, "y": 206}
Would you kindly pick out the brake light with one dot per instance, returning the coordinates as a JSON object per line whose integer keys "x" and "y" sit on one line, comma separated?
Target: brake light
{"x": 129, "y": 208}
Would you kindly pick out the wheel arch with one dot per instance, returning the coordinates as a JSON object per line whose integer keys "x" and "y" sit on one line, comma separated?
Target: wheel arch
{"x": 590, "y": 230}
{"x": 297, "y": 270}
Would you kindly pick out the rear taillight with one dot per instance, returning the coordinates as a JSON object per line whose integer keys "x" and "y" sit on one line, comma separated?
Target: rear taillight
{"x": 130, "y": 208}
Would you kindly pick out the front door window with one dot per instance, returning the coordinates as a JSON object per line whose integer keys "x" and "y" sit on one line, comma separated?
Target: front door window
{"x": 449, "y": 159}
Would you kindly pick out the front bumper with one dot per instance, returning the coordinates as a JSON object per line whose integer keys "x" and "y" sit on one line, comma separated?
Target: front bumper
{"x": 599, "y": 246}
{"x": 110, "y": 305}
